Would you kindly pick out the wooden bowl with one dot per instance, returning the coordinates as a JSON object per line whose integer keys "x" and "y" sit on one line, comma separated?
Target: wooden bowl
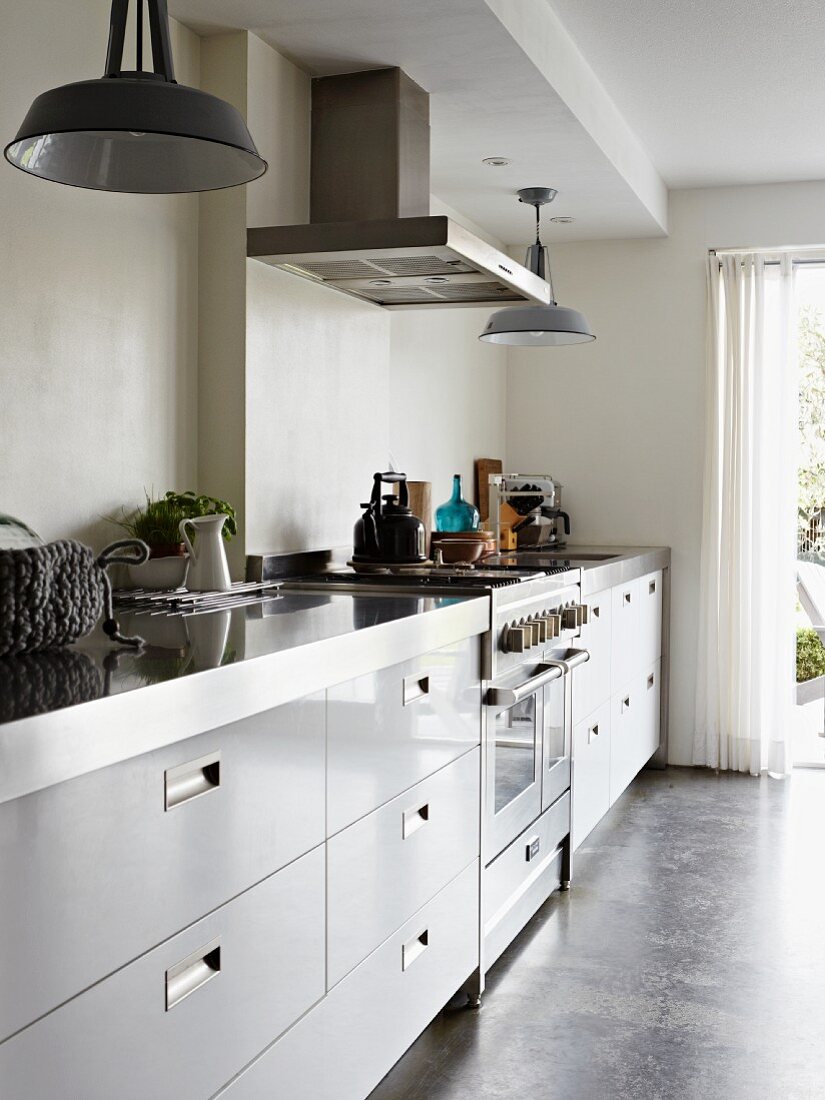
{"x": 456, "y": 550}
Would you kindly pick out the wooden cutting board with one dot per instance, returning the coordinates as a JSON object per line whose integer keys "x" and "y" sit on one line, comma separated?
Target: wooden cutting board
{"x": 485, "y": 467}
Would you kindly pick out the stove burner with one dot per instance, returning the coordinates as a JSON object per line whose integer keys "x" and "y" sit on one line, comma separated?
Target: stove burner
{"x": 482, "y": 576}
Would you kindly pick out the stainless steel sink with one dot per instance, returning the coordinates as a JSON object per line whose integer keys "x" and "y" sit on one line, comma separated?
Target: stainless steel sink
{"x": 590, "y": 557}
{"x": 566, "y": 555}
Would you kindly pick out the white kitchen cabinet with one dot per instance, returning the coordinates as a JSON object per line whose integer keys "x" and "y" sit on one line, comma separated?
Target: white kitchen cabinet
{"x": 387, "y": 865}
{"x": 390, "y": 729}
{"x": 343, "y": 1047}
{"x": 625, "y": 659}
{"x": 102, "y": 868}
{"x": 634, "y": 728}
{"x": 651, "y": 692}
{"x": 591, "y": 682}
{"x": 182, "y": 1019}
{"x": 591, "y": 771}
{"x": 650, "y": 618}
{"x": 625, "y": 726}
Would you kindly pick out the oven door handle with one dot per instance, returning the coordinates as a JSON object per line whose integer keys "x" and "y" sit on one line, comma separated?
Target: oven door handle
{"x": 576, "y": 657}
{"x": 504, "y": 698}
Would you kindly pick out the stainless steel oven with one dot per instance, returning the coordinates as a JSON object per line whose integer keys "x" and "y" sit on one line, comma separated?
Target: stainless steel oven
{"x": 527, "y": 744}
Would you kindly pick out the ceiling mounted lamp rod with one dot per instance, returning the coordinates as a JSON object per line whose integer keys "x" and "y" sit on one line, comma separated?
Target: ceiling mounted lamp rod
{"x": 537, "y": 326}
{"x": 135, "y": 130}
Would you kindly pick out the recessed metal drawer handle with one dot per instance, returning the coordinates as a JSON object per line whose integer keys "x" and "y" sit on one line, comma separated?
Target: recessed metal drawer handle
{"x": 651, "y": 587}
{"x": 592, "y": 732}
{"x": 628, "y": 596}
{"x": 188, "y": 781}
{"x": 415, "y": 687}
{"x": 650, "y": 680}
{"x": 192, "y": 972}
{"x": 414, "y": 949}
{"x": 596, "y": 612}
{"x": 626, "y": 703}
{"x": 413, "y": 820}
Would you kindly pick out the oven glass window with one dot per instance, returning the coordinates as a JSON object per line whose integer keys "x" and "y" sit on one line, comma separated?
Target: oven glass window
{"x": 515, "y": 751}
{"x": 554, "y": 722}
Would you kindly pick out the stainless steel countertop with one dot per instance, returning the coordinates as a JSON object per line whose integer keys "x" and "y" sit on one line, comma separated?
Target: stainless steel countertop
{"x": 624, "y": 563}
{"x": 90, "y": 705}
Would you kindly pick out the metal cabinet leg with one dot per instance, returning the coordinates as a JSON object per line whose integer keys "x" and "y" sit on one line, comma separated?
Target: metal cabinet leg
{"x": 566, "y": 858}
{"x": 474, "y": 987}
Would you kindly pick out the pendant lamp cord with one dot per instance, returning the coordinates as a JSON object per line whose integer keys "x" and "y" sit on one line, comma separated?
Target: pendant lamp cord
{"x": 538, "y": 221}
{"x": 139, "y": 36}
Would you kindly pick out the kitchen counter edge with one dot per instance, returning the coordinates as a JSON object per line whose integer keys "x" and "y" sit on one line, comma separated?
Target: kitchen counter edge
{"x": 46, "y": 749}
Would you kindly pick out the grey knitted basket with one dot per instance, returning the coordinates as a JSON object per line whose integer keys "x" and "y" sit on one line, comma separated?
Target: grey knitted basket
{"x": 53, "y": 594}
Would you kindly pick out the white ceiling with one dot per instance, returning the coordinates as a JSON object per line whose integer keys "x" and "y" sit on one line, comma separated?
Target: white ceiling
{"x": 718, "y": 91}
{"x": 588, "y": 96}
{"x": 487, "y": 99}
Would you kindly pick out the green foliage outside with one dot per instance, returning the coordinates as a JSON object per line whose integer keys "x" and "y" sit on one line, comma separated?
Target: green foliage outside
{"x": 811, "y": 483}
{"x": 810, "y": 655}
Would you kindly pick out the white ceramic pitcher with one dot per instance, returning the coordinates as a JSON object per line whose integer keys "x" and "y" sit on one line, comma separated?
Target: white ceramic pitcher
{"x": 208, "y": 568}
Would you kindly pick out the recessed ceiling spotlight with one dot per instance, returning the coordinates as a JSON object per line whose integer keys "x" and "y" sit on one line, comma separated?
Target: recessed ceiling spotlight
{"x": 563, "y": 221}
{"x": 496, "y": 162}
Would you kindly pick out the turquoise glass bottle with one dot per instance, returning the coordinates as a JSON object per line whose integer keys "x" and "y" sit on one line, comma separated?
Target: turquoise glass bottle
{"x": 456, "y": 514}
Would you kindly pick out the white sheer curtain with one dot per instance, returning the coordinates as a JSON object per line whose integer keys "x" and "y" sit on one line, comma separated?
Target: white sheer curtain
{"x": 746, "y": 630}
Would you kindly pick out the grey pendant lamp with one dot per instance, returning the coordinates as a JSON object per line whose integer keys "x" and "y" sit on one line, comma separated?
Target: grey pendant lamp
{"x": 537, "y": 326}
{"x": 136, "y": 131}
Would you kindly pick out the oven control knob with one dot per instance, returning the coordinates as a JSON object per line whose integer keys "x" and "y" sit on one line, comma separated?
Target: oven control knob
{"x": 540, "y": 634}
{"x": 529, "y": 633}
{"x": 584, "y": 613}
{"x": 514, "y": 639}
{"x": 570, "y": 618}
{"x": 553, "y": 621}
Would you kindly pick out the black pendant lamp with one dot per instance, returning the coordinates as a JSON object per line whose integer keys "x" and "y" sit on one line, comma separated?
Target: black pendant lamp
{"x": 136, "y": 131}
{"x": 537, "y": 326}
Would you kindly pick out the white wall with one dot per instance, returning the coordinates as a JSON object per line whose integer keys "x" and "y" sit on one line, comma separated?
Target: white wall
{"x": 334, "y": 387}
{"x": 448, "y": 396}
{"x": 620, "y": 422}
{"x": 98, "y": 307}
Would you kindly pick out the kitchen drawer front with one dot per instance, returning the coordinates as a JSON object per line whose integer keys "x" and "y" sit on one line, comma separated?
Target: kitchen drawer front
{"x": 591, "y": 681}
{"x": 650, "y": 619}
{"x": 626, "y": 735}
{"x": 181, "y": 1020}
{"x": 651, "y": 712}
{"x": 346, "y": 1044}
{"x": 591, "y": 771}
{"x": 389, "y": 730}
{"x": 519, "y": 880}
{"x": 383, "y": 868}
{"x": 102, "y": 871}
{"x": 625, "y": 658}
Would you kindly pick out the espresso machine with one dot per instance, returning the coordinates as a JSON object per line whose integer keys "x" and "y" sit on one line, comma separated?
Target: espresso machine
{"x": 527, "y": 507}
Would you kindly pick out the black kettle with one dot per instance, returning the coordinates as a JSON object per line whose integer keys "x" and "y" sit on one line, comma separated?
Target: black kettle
{"x": 388, "y": 533}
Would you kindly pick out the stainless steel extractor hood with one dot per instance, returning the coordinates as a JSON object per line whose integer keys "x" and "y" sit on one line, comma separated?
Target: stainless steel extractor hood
{"x": 371, "y": 234}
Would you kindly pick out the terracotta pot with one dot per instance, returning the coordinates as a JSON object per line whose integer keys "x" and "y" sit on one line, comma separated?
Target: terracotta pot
{"x": 167, "y": 550}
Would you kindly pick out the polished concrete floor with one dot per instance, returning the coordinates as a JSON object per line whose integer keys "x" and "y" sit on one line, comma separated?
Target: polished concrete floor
{"x": 688, "y": 960}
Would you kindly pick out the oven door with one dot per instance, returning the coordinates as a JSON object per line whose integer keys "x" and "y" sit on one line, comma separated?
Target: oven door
{"x": 514, "y": 753}
{"x": 557, "y": 728}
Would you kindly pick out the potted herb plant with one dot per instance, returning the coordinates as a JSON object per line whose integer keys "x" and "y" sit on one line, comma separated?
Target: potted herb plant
{"x": 157, "y": 523}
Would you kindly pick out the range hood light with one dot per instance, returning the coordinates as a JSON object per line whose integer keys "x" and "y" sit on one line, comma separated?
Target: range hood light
{"x": 138, "y": 132}
{"x": 538, "y": 326}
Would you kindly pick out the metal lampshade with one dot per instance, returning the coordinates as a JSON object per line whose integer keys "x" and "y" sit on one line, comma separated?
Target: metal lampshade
{"x": 136, "y": 131}
{"x": 537, "y": 326}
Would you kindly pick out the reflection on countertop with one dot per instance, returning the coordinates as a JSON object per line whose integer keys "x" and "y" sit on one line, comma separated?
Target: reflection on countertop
{"x": 181, "y": 645}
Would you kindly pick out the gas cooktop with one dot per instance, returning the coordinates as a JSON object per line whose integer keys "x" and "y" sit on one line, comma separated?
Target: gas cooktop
{"x": 484, "y": 576}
